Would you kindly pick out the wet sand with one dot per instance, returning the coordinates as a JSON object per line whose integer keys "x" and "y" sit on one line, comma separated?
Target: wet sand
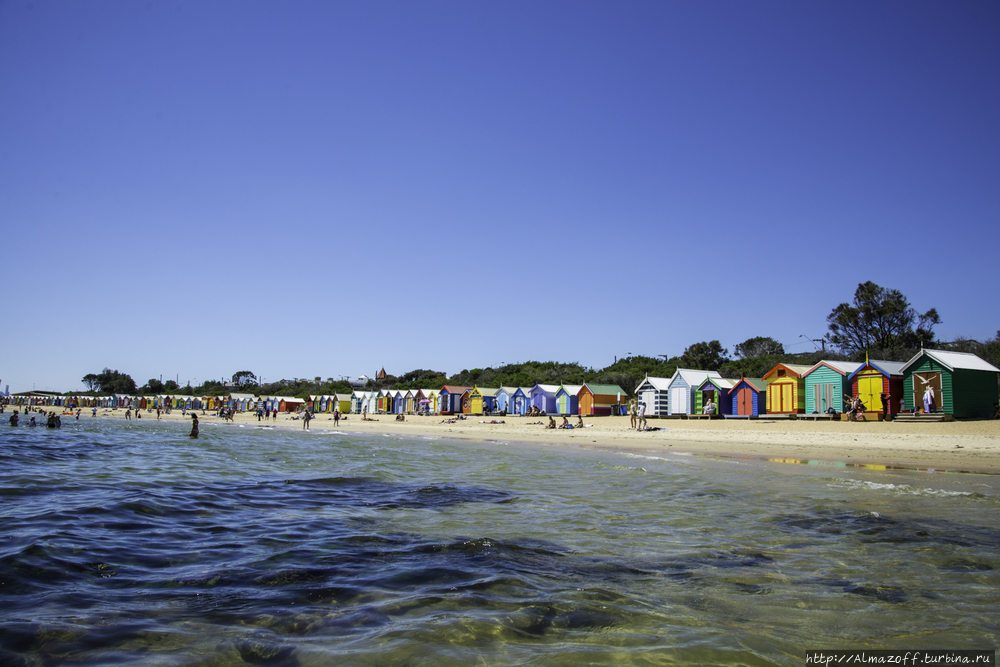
{"x": 959, "y": 445}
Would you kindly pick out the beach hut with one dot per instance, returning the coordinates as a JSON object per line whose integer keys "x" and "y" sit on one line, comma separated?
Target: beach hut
{"x": 520, "y": 401}
{"x": 748, "y": 397}
{"x": 290, "y": 404}
{"x": 682, "y": 389}
{"x": 478, "y": 401}
{"x": 962, "y": 384}
{"x": 358, "y": 399}
{"x": 786, "y": 389}
{"x": 342, "y": 403}
{"x": 717, "y": 391}
{"x": 599, "y": 399}
{"x": 503, "y": 398}
{"x": 427, "y": 401}
{"x": 874, "y": 378}
{"x": 652, "y": 392}
{"x": 568, "y": 399}
{"x": 827, "y": 384}
{"x": 543, "y": 397}
{"x": 451, "y": 398}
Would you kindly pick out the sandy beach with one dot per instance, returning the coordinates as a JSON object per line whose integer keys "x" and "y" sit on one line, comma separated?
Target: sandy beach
{"x": 972, "y": 446}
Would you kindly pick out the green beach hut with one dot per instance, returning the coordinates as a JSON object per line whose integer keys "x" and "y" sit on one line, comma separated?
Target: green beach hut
{"x": 953, "y": 383}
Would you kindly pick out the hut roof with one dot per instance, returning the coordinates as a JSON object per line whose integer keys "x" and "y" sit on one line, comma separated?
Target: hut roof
{"x": 694, "y": 377}
{"x": 954, "y": 360}
{"x": 842, "y": 367}
{"x": 547, "y": 388}
{"x": 455, "y": 389}
{"x": 571, "y": 389}
{"x": 760, "y": 384}
{"x": 604, "y": 389}
{"x": 486, "y": 391}
{"x": 719, "y": 383}
{"x": 660, "y": 384}
{"x": 798, "y": 370}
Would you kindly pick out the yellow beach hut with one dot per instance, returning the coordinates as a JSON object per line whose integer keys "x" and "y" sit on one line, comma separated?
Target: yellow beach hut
{"x": 786, "y": 389}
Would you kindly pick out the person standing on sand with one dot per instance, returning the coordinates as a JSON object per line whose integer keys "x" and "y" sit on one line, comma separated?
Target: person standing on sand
{"x": 929, "y": 399}
{"x": 642, "y": 415}
{"x": 336, "y": 417}
{"x": 632, "y": 411}
{"x": 194, "y": 426}
{"x": 884, "y": 397}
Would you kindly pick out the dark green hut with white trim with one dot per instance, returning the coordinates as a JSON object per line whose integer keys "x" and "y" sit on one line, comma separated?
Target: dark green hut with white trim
{"x": 961, "y": 384}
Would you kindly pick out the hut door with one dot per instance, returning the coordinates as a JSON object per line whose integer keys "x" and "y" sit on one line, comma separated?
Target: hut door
{"x": 744, "y": 401}
{"x": 921, "y": 381}
{"x": 678, "y": 401}
{"x": 648, "y": 399}
{"x": 870, "y": 392}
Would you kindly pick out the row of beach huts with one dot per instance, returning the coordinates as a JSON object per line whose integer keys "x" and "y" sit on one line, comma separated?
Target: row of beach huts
{"x": 958, "y": 384}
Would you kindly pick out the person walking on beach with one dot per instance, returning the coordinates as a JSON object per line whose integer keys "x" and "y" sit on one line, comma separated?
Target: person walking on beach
{"x": 631, "y": 406}
{"x": 194, "y": 426}
{"x": 642, "y": 416}
{"x": 336, "y": 417}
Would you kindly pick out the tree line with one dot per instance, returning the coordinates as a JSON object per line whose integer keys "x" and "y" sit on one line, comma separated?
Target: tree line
{"x": 879, "y": 322}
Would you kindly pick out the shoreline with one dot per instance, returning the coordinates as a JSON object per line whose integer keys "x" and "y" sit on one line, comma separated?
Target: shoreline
{"x": 958, "y": 446}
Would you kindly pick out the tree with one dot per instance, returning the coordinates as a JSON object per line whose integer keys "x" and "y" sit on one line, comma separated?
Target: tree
{"x": 154, "y": 386}
{"x": 880, "y": 319}
{"x": 110, "y": 382}
{"x": 245, "y": 379}
{"x": 758, "y": 346}
{"x": 91, "y": 380}
{"x": 170, "y": 386}
{"x": 705, "y": 356}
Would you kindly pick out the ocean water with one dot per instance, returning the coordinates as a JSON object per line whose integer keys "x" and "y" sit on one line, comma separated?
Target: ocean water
{"x": 129, "y": 543}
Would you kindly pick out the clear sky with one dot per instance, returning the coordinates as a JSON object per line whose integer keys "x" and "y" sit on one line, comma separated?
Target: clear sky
{"x": 300, "y": 189}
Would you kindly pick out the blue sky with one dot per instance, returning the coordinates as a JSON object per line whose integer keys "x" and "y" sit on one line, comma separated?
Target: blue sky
{"x": 301, "y": 189}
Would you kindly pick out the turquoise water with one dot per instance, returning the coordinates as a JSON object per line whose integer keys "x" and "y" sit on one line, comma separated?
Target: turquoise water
{"x": 130, "y": 543}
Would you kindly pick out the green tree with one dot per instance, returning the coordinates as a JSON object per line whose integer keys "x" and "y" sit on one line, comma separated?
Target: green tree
{"x": 758, "y": 346}
{"x": 705, "y": 356}
{"x": 92, "y": 381}
{"x": 244, "y": 379}
{"x": 153, "y": 386}
{"x": 880, "y": 319}
{"x": 170, "y": 386}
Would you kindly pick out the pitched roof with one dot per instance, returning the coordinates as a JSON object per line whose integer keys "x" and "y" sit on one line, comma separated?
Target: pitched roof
{"x": 842, "y": 367}
{"x": 571, "y": 389}
{"x": 487, "y": 391}
{"x": 604, "y": 389}
{"x": 547, "y": 388}
{"x": 953, "y": 360}
{"x": 694, "y": 377}
{"x": 455, "y": 389}
{"x": 659, "y": 384}
{"x": 797, "y": 369}
{"x": 760, "y": 384}
{"x": 720, "y": 383}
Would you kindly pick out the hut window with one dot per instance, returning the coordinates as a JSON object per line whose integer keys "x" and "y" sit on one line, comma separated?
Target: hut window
{"x": 781, "y": 372}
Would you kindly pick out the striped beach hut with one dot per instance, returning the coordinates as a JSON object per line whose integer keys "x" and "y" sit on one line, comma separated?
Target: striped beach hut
{"x": 653, "y": 393}
{"x": 427, "y": 401}
{"x": 958, "y": 383}
{"x": 748, "y": 397}
{"x": 717, "y": 391}
{"x": 875, "y": 377}
{"x": 683, "y": 388}
{"x": 827, "y": 385}
{"x": 543, "y": 397}
{"x": 599, "y": 399}
{"x": 786, "y": 389}
{"x": 568, "y": 399}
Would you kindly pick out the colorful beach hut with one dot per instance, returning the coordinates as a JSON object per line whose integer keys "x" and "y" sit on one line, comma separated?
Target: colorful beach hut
{"x": 653, "y": 393}
{"x": 827, "y": 384}
{"x": 568, "y": 399}
{"x": 599, "y": 399}
{"x": 520, "y": 401}
{"x": 786, "y": 389}
{"x": 543, "y": 397}
{"x": 874, "y": 378}
{"x": 427, "y": 401}
{"x": 748, "y": 397}
{"x": 503, "y": 398}
{"x": 960, "y": 383}
{"x": 683, "y": 387}
{"x": 451, "y": 398}
{"x": 717, "y": 391}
